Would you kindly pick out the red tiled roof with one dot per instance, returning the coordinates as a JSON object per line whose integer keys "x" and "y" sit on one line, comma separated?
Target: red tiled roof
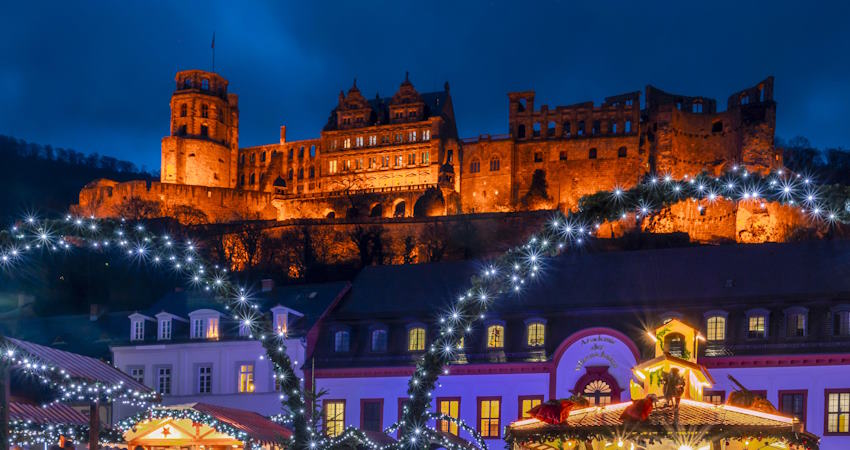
{"x": 257, "y": 426}
{"x": 54, "y": 414}
{"x": 79, "y": 366}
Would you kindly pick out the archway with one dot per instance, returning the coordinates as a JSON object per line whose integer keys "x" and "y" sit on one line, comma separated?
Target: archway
{"x": 330, "y": 214}
{"x": 377, "y": 210}
{"x": 431, "y": 203}
{"x": 399, "y": 208}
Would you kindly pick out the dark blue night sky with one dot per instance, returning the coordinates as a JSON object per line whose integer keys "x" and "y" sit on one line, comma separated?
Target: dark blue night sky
{"x": 96, "y": 76}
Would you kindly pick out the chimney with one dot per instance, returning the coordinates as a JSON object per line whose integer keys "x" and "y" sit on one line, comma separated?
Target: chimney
{"x": 267, "y": 284}
{"x": 94, "y": 312}
{"x": 283, "y": 134}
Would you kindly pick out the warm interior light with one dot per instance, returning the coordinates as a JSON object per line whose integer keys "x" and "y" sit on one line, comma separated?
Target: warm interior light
{"x": 685, "y": 447}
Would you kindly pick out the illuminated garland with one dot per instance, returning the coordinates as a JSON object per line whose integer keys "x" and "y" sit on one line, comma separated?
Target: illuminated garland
{"x": 508, "y": 274}
{"x": 130, "y": 423}
{"x": 522, "y": 265}
{"x": 70, "y": 389}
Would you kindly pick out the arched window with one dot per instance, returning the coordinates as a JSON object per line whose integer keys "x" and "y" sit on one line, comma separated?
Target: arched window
{"x": 379, "y": 340}
{"x": 184, "y": 110}
{"x": 300, "y": 173}
{"x": 400, "y": 209}
{"x": 289, "y": 174}
{"x": 567, "y": 131}
{"x": 253, "y": 158}
{"x": 745, "y": 99}
{"x": 342, "y": 341}
{"x": 205, "y": 84}
{"x": 495, "y": 336}
{"x": 550, "y": 130}
{"x": 312, "y": 172}
{"x": 416, "y": 339}
{"x": 715, "y": 328}
{"x": 622, "y": 152}
{"x": 598, "y": 392}
{"x": 205, "y": 110}
{"x": 253, "y": 178}
{"x": 242, "y": 180}
{"x": 313, "y": 151}
{"x": 205, "y": 131}
{"x": 674, "y": 343}
{"x": 187, "y": 83}
{"x": 591, "y": 154}
{"x": 536, "y": 334}
{"x": 580, "y": 128}
{"x": 475, "y": 166}
{"x": 520, "y": 131}
{"x": 494, "y": 164}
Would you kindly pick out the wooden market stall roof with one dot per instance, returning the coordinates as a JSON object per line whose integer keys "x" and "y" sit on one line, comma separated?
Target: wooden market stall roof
{"x": 58, "y": 413}
{"x": 255, "y": 425}
{"x": 724, "y": 420}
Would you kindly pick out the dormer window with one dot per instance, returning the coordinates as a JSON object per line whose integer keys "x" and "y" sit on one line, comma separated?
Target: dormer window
{"x": 796, "y": 321}
{"x": 342, "y": 341}
{"x": 495, "y": 337}
{"x": 204, "y": 324}
{"x": 164, "y": 331}
{"x": 841, "y": 321}
{"x": 715, "y": 326}
{"x": 137, "y": 330}
{"x": 198, "y": 329}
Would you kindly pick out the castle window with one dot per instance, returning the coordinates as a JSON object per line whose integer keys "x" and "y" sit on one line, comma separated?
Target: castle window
{"x": 411, "y": 114}
{"x": 312, "y": 172}
{"x": 474, "y": 166}
{"x": 187, "y": 83}
{"x": 301, "y": 152}
{"x": 591, "y": 154}
{"x": 300, "y": 173}
{"x": 596, "y": 129}
{"x": 242, "y": 159}
{"x": 566, "y": 129}
{"x": 416, "y": 339}
{"x": 494, "y": 164}
{"x": 183, "y": 110}
{"x": 612, "y": 127}
{"x": 696, "y": 107}
{"x": 346, "y": 165}
{"x": 538, "y": 157}
{"x": 373, "y": 140}
{"x": 424, "y": 158}
{"x": 313, "y": 151}
{"x": 289, "y": 173}
{"x": 385, "y": 139}
{"x": 358, "y": 141}
{"x": 562, "y": 155}
{"x": 411, "y": 136}
{"x": 253, "y": 179}
{"x": 796, "y": 322}
{"x": 263, "y": 157}
{"x": 622, "y": 152}
{"x": 628, "y": 127}
{"x": 373, "y": 162}
{"x": 331, "y": 166}
{"x": 537, "y": 129}
{"x": 550, "y": 130}
{"x": 291, "y": 153}
{"x": 580, "y": 128}
{"x": 205, "y": 111}
{"x": 411, "y": 159}
{"x": 346, "y": 143}
{"x": 399, "y": 137}
{"x": 426, "y": 135}
{"x": 520, "y": 131}
{"x": 449, "y": 155}
{"x": 745, "y": 99}
{"x": 182, "y": 130}
{"x": 399, "y": 160}
{"x": 204, "y": 131}
{"x": 385, "y": 162}
{"x": 253, "y": 158}
{"x": 242, "y": 180}
{"x": 205, "y": 84}
{"x": 342, "y": 341}
{"x": 717, "y": 127}
{"x": 495, "y": 337}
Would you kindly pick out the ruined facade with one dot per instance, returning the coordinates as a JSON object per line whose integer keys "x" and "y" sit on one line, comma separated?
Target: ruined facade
{"x": 401, "y": 156}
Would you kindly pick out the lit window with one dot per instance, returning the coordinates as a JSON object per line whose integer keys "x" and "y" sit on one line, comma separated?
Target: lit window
{"x": 334, "y": 417}
{"x": 489, "y": 415}
{"x": 426, "y": 135}
{"x": 379, "y": 340}
{"x": 528, "y": 402}
{"x": 346, "y": 165}
{"x": 358, "y": 141}
{"x": 424, "y": 158}
{"x": 346, "y": 143}
{"x": 280, "y": 323}
{"x": 597, "y": 392}
{"x": 536, "y": 331}
{"x": 838, "y": 412}
{"x": 714, "y": 397}
{"x": 716, "y": 328}
{"x": 411, "y": 136}
{"x": 165, "y": 329}
{"x": 163, "y": 380}
{"x": 342, "y": 340}
{"x": 373, "y": 163}
{"x": 399, "y": 160}
{"x": 385, "y": 161}
{"x": 416, "y": 339}
{"x": 204, "y": 379}
{"x": 475, "y": 166}
{"x": 411, "y": 159}
{"x": 212, "y": 328}
{"x": 756, "y": 327}
{"x": 332, "y": 166}
{"x": 495, "y": 336}
{"x": 246, "y": 378}
{"x": 373, "y": 140}
{"x": 138, "y": 330}
{"x": 451, "y": 408}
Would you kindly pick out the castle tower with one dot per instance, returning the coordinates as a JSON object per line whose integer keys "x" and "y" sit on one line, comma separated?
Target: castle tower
{"x": 203, "y": 147}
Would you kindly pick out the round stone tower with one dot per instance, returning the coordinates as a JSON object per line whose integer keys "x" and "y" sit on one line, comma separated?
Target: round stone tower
{"x": 203, "y": 147}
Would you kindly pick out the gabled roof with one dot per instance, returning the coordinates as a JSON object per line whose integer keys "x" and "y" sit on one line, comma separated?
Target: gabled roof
{"x": 255, "y": 425}
{"x": 79, "y": 366}
{"x": 434, "y": 104}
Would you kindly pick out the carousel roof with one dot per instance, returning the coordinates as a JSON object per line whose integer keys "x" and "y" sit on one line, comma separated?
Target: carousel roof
{"x": 54, "y": 414}
{"x": 725, "y": 420}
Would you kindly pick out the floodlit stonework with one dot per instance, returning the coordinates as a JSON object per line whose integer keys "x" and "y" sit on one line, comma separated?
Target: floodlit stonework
{"x": 401, "y": 156}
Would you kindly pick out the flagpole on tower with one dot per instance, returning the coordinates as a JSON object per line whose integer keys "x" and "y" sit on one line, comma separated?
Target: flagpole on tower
{"x": 212, "y": 46}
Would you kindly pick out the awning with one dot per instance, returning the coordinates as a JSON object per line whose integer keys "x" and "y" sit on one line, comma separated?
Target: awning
{"x": 54, "y": 414}
{"x": 257, "y": 426}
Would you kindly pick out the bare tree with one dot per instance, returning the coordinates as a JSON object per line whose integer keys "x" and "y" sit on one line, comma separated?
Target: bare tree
{"x": 434, "y": 240}
{"x": 348, "y": 184}
{"x": 136, "y": 209}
